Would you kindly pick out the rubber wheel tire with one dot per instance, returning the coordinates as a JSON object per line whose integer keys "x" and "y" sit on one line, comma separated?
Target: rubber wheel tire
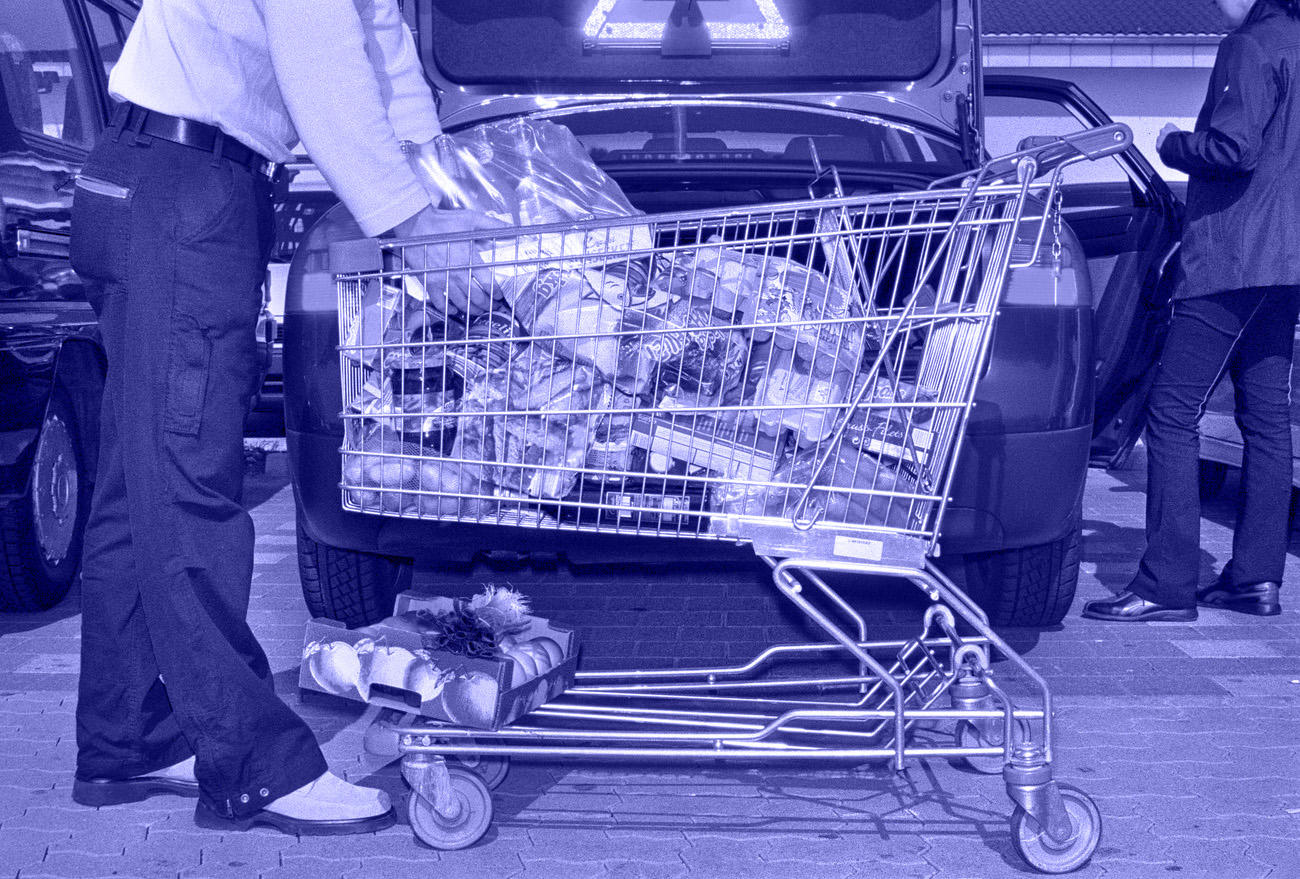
{"x": 462, "y": 830}
{"x": 1039, "y": 851}
{"x": 491, "y": 768}
{"x": 41, "y": 534}
{"x": 355, "y": 588}
{"x": 970, "y": 735}
{"x": 1031, "y": 586}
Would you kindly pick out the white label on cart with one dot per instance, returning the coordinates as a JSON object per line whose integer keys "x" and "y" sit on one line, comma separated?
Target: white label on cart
{"x": 859, "y": 548}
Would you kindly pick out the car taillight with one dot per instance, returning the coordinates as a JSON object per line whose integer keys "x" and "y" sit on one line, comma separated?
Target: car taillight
{"x": 1035, "y": 278}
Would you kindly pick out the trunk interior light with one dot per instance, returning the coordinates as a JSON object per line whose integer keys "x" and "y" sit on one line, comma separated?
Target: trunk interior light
{"x": 731, "y": 24}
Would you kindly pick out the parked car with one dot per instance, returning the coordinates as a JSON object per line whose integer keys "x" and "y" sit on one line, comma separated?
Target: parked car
{"x": 55, "y": 56}
{"x": 1066, "y": 374}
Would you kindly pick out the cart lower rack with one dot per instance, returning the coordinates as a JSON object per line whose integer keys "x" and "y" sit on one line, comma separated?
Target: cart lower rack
{"x": 796, "y": 377}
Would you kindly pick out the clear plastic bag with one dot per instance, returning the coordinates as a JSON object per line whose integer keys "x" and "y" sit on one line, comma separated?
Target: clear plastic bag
{"x": 541, "y": 455}
{"x": 833, "y": 500}
{"x": 527, "y": 173}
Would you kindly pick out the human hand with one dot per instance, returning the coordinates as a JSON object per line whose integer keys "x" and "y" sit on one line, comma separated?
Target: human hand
{"x": 1170, "y": 128}
{"x": 453, "y": 266}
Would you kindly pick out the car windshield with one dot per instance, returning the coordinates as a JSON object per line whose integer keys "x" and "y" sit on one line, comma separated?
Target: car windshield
{"x": 584, "y": 44}
{"x": 738, "y": 135}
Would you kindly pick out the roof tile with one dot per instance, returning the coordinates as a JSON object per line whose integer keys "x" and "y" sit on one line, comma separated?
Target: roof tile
{"x": 1129, "y": 18}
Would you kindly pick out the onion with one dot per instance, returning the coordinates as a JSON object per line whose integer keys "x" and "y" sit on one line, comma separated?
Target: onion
{"x": 525, "y": 661}
{"x": 470, "y": 699}
{"x": 336, "y": 667}
{"x": 550, "y": 647}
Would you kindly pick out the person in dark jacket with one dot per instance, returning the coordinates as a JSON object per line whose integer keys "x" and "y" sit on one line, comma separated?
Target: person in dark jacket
{"x": 1236, "y": 301}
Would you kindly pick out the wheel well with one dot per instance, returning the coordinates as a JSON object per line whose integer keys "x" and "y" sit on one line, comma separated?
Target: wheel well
{"x": 80, "y": 373}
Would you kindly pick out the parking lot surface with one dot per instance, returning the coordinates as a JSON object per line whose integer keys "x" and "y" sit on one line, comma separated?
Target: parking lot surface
{"x": 1187, "y": 735}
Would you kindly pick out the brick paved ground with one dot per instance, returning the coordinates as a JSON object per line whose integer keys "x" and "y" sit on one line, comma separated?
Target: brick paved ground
{"x": 1187, "y": 735}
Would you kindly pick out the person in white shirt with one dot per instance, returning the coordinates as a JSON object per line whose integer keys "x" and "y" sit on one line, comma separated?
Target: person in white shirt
{"x": 172, "y": 227}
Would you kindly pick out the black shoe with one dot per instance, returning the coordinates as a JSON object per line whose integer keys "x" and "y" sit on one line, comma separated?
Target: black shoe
{"x": 114, "y": 792}
{"x": 1128, "y": 607}
{"x": 1258, "y": 599}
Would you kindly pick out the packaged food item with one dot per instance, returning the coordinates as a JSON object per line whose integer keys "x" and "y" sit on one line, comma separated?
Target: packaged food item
{"x": 580, "y": 319}
{"x": 783, "y": 392}
{"x": 837, "y": 496}
{"x": 394, "y": 326}
{"x": 708, "y": 444}
{"x": 680, "y": 345}
{"x": 893, "y": 427}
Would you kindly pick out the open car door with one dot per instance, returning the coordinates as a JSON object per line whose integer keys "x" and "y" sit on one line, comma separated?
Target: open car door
{"x": 1129, "y": 223}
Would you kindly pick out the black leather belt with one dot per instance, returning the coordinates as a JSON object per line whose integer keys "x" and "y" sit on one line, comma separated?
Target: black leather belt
{"x": 186, "y": 132}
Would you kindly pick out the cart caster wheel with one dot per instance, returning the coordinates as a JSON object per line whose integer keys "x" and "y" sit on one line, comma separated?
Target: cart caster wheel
{"x": 472, "y": 807}
{"x": 971, "y": 736}
{"x": 492, "y": 768}
{"x": 1046, "y": 855}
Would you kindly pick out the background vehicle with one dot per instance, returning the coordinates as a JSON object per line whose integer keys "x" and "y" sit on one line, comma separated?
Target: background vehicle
{"x": 54, "y": 62}
{"x": 709, "y": 130}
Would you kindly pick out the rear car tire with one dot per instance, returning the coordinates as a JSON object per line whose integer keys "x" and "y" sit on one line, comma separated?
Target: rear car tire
{"x": 355, "y": 588}
{"x": 41, "y": 533}
{"x": 1030, "y": 586}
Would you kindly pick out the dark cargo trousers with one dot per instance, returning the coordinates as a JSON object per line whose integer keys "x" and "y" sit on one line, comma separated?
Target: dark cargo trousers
{"x": 1250, "y": 335}
{"x": 173, "y": 244}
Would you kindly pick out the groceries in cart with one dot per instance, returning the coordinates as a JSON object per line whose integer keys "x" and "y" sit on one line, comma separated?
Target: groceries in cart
{"x": 479, "y": 663}
{"x": 709, "y": 356}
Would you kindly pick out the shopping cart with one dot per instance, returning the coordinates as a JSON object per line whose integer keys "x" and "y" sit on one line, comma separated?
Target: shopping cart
{"x": 796, "y": 377}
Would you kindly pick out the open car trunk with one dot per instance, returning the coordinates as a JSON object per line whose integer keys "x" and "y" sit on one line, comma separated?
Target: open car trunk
{"x": 501, "y": 56}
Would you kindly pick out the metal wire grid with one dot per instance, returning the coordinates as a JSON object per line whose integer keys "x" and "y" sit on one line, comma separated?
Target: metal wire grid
{"x": 678, "y": 375}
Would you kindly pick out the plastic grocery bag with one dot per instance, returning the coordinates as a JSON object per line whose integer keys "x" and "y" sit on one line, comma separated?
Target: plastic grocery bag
{"x": 386, "y": 474}
{"x": 833, "y": 500}
{"x": 526, "y": 173}
{"x": 393, "y": 327}
{"x": 541, "y": 455}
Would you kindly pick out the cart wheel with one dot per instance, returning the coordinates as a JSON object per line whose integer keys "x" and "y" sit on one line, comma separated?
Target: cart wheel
{"x": 473, "y": 813}
{"x": 971, "y": 736}
{"x": 492, "y": 768}
{"x": 1046, "y": 855}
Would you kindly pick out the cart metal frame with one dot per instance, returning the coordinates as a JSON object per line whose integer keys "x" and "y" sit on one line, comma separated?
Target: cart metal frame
{"x": 925, "y": 271}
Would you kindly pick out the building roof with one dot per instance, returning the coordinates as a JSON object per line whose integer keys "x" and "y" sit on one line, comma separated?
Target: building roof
{"x": 1124, "y": 19}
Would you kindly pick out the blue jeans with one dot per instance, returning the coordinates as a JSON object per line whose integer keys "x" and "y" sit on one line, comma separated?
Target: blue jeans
{"x": 173, "y": 245}
{"x": 1249, "y": 333}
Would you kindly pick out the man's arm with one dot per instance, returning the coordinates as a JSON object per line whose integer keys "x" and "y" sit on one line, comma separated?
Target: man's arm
{"x": 1232, "y": 141}
{"x": 328, "y": 79}
{"x": 406, "y": 94}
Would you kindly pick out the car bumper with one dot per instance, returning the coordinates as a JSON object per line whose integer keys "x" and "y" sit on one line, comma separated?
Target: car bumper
{"x": 1012, "y": 511}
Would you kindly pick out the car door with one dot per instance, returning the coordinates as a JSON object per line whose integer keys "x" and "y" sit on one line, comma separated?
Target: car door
{"x": 1129, "y": 223}
{"x": 52, "y": 108}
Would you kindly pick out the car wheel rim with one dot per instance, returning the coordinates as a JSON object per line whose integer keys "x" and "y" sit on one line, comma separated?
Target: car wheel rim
{"x": 55, "y": 489}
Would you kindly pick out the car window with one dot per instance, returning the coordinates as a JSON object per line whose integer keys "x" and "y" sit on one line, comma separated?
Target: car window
{"x": 43, "y": 69}
{"x": 736, "y": 135}
{"x": 109, "y": 34}
{"x": 1009, "y": 119}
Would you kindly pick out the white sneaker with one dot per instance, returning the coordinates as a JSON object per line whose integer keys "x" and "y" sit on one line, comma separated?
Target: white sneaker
{"x": 328, "y": 806}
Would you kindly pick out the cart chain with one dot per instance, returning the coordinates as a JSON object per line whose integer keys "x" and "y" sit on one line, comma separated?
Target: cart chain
{"x": 1055, "y": 208}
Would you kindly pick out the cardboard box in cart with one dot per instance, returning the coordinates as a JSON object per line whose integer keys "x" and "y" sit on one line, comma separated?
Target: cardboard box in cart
{"x": 482, "y": 693}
